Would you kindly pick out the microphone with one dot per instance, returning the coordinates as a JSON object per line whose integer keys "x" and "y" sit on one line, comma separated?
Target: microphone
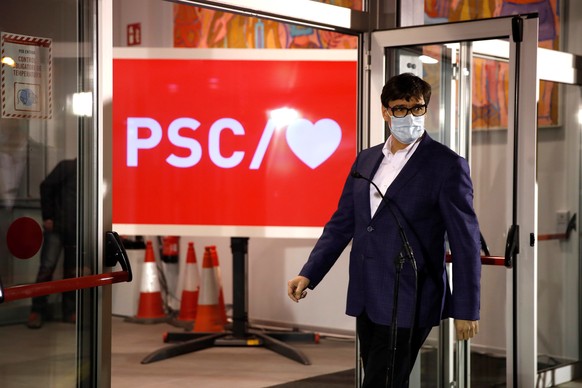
{"x": 406, "y": 245}
{"x": 405, "y": 253}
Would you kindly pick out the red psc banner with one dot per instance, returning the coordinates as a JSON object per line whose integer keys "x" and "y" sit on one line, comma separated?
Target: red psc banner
{"x": 231, "y": 142}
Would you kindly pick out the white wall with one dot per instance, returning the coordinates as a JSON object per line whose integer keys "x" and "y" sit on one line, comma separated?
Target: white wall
{"x": 155, "y": 17}
{"x": 271, "y": 262}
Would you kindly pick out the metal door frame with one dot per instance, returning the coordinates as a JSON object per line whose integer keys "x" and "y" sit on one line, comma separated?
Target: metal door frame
{"x": 100, "y": 301}
{"x": 522, "y": 370}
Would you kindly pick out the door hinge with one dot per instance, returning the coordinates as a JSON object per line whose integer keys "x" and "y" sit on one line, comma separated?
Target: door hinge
{"x": 367, "y": 61}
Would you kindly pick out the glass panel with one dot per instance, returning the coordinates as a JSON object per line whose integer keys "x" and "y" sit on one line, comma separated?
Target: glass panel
{"x": 219, "y": 65}
{"x": 559, "y": 244}
{"x": 486, "y": 82}
{"x": 558, "y": 171}
{"x": 42, "y": 169}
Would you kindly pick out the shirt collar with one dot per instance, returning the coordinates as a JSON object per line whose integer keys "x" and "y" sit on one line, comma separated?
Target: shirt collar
{"x": 387, "y": 147}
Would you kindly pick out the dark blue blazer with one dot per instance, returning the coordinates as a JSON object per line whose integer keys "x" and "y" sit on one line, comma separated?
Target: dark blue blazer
{"x": 432, "y": 197}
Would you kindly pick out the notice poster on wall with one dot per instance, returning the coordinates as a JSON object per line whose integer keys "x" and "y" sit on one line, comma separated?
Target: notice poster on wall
{"x": 26, "y": 76}
{"x": 219, "y": 146}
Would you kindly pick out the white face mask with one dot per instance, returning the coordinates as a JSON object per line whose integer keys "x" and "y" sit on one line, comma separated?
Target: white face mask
{"x": 407, "y": 129}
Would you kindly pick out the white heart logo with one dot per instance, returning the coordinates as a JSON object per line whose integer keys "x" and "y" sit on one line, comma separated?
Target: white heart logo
{"x": 312, "y": 143}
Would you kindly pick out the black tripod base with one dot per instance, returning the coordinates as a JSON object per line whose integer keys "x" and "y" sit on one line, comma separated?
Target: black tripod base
{"x": 192, "y": 342}
{"x": 239, "y": 334}
{"x": 204, "y": 342}
{"x": 286, "y": 336}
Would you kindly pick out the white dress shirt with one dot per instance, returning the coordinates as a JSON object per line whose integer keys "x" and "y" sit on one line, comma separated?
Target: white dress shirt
{"x": 388, "y": 170}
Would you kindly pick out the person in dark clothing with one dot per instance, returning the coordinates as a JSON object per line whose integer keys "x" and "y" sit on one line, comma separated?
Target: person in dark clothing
{"x": 411, "y": 186}
{"x": 58, "y": 200}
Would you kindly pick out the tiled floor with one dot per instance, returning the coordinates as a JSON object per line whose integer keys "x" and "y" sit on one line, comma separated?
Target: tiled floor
{"x": 46, "y": 358}
{"x": 244, "y": 367}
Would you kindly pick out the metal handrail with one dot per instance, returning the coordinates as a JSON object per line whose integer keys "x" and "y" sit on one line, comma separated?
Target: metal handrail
{"x": 485, "y": 260}
{"x": 24, "y": 291}
{"x": 114, "y": 253}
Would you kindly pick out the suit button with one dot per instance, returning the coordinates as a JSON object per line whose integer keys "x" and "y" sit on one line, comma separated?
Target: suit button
{"x": 370, "y": 229}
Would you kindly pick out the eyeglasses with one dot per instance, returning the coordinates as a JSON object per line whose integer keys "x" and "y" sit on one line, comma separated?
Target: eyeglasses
{"x": 402, "y": 111}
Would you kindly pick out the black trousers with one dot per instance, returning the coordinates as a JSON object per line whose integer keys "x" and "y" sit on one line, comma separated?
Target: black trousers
{"x": 375, "y": 352}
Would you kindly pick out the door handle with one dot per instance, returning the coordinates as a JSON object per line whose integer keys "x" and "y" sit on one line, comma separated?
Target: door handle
{"x": 115, "y": 253}
{"x": 511, "y": 245}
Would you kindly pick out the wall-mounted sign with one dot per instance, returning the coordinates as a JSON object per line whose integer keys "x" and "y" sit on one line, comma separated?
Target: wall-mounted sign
{"x": 134, "y": 34}
{"x": 205, "y": 146}
{"x": 26, "y": 76}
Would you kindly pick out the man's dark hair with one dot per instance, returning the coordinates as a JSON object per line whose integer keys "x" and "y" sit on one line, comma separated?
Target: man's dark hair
{"x": 404, "y": 87}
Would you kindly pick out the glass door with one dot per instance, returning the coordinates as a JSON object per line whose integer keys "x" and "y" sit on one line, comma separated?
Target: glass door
{"x": 51, "y": 196}
{"x": 483, "y": 107}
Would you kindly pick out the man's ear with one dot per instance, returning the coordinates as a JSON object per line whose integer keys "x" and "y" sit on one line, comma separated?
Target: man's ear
{"x": 385, "y": 113}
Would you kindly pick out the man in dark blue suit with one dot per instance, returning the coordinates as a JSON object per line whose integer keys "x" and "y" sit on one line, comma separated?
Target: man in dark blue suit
{"x": 421, "y": 191}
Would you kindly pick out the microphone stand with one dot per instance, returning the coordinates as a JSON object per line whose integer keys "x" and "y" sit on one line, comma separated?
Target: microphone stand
{"x": 405, "y": 253}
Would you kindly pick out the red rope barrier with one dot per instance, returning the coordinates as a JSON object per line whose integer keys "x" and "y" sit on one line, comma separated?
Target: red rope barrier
{"x": 493, "y": 260}
{"x": 59, "y": 286}
{"x": 485, "y": 260}
{"x": 555, "y": 236}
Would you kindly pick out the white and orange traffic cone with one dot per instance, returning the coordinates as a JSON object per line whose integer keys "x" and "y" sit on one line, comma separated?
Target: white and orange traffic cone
{"x": 150, "y": 309}
{"x": 191, "y": 289}
{"x": 216, "y": 265}
{"x": 209, "y": 316}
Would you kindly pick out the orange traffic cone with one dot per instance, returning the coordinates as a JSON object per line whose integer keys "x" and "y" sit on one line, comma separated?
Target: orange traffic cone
{"x": 208, "y": 316}
{"x": 189, "y": 302}
{"x": 150, "y": 308}
{"x": 214, "y": 256}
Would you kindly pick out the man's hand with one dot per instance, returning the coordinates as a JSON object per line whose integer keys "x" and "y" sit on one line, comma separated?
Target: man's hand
{"x": 466, "y": 329}
{"x": 296, "y": 288}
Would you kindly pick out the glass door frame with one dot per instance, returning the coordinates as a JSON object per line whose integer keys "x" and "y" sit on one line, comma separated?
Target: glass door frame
{"x": 98, "y": 347}
{"x": 522, "y": 278}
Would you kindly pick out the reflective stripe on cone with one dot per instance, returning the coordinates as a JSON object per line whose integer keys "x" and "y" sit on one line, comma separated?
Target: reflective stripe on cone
{"x": 191, "y": 290}
{"x": 151, "y": 307}
{"x": 209, "y": 316}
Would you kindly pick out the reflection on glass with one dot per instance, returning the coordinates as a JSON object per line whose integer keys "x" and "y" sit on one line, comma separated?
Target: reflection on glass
{"x": 307, "y": 102}
{"x": 487, "y": 152}
{"x": 550, "y": 19}
{"x": 58, "y": 200}
{"x": 8, "y": 61}
{"x": 83, "y": 104}
{"x": 558, "y": 179}
{"x": 283, "y": 116}
{"x": 39, "y": 138}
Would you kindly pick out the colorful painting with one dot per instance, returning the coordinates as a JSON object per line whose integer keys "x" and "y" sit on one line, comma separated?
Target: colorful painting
{"x": 203, "y": 28}
{"x": 490, "y": 96}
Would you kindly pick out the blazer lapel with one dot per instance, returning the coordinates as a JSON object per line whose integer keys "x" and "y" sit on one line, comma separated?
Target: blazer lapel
{"x": 369, "y": 167}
